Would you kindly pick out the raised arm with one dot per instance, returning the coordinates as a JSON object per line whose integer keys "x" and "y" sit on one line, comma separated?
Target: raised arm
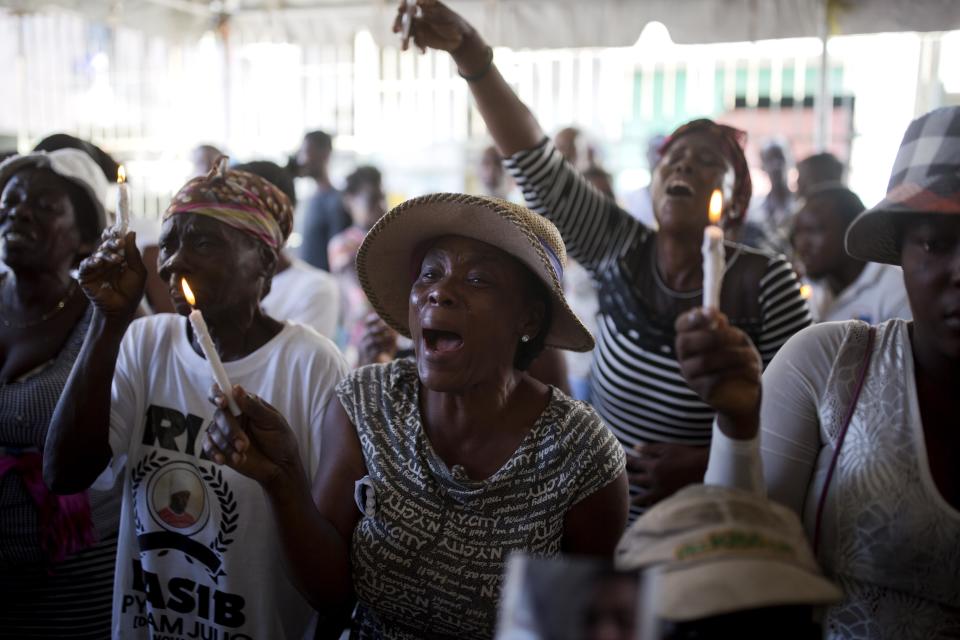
{"x": 591, "y": 224}
{"x": 315, "y": 524}
{"x": 510, "y": 123}
{"x": 77, "y": 447}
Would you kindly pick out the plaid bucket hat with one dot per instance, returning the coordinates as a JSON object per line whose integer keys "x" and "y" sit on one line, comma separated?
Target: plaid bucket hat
{"x": 385, "y": 260}
{"x": 925, "y": 179}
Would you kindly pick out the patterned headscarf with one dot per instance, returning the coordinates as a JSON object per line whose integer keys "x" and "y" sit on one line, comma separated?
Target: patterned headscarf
{"x": 238, "y": 199}
{"x": 731, "y": 145}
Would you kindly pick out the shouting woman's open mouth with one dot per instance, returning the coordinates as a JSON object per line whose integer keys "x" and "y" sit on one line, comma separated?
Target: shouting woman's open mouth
{"x": 442, "y": 341}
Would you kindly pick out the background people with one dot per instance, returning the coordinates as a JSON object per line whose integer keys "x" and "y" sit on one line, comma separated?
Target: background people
{"x": 769, "y": 220}
{"x": 325, "y": 215}
{"x": 204, "y": 158}
{"x": 366, "y": 202}
{"x": 818, "y": 169}
{"x": 843, "y": 287}
{"x": 298, "y": 292}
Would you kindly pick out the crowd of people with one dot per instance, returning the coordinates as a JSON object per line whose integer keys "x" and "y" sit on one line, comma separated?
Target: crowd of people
{"x": 205, "y": 433}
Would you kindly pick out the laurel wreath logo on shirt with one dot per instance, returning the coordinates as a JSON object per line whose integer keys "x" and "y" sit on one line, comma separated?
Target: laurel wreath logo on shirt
{"x": 179, "y": 531}
{"x": 228, "y": 507}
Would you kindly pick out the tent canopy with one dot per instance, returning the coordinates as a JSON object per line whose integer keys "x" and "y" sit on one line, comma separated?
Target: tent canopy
{"x": 522, "y": 23}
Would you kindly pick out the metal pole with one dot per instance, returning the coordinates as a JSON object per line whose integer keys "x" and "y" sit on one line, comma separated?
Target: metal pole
{"x": 823, "y": 111}
{"x": 23, "y": 133}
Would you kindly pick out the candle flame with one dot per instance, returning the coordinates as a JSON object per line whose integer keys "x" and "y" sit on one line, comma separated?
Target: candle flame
{"x": 716, "y": 206}
{"x": 121, "y": 175}
{"x": 806, "y": 291}
{"x": 187, "y": 292}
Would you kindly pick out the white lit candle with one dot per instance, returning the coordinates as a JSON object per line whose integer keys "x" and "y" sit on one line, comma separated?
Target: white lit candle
{"x": 714, "y": 257}
{"x": 123, "y": 202}
{"x": 208, "y": 348}
{"x": 409, "y": 9}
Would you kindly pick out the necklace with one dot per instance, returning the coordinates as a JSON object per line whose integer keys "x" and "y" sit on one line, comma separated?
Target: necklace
{"x": 57, "y": 308}
{"x": 658, "y": 279}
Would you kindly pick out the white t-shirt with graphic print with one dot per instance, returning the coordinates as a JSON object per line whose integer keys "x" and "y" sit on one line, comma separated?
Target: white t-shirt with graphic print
{"x": 199, "y": 555}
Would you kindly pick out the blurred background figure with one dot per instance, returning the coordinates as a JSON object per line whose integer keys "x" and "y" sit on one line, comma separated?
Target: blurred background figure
{"x": 568, "y": 598}
{"x": 299, "y": 292}
{"x": 366, "y": 203}
{"x": 324, "y": 215}
{"x": 493, "y": 177}
{"x": 843, "y": 287}
{"x": 611, "y": 612}
{"x": 818, "y": 169}
{"x": 638, "y": 203}
{"x": 572, "y": 145}
{"x": 601, "y": 179}
{"x": 203, "y": 158}
{"x": 768, "y": 220}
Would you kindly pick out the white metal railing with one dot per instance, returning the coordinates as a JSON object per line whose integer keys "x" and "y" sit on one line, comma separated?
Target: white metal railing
{"x": 149, "y": 101}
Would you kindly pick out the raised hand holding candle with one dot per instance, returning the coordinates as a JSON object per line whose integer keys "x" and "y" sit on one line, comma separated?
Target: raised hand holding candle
{"x": 714, "y": 258}
{"x": 208, "y": 348}
{"x": 123, "y": 202}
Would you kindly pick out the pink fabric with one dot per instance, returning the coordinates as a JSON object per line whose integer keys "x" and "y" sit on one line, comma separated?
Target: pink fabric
{"x": 65, "y": 523}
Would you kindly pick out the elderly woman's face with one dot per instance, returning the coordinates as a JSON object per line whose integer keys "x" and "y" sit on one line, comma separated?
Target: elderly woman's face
{"x": 690, "y": 170}
{"x": 469, "y": 307}
{"x": 225, "y": 267}
{"x": 38, "y": 224}
{"x": 930, "y": 257}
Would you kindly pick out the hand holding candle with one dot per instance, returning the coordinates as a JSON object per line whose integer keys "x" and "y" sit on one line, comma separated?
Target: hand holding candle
{"x": 123, "y": 202}
{"x": 208, "y": 348}
{"x": 714, "y": 257}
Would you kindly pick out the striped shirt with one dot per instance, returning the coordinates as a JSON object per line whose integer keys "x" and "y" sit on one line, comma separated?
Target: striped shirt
{"x": 636, "y": 383}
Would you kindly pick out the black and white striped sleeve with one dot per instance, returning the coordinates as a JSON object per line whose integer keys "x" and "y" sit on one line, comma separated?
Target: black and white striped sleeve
{"x": 784, "y": 310}
{"x": 591, "y": 224}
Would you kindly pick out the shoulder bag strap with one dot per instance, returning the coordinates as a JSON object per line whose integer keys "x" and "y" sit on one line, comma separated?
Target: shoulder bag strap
{"x": 868, "y": 353}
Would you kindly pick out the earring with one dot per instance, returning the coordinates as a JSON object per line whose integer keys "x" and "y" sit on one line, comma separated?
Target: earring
{"x": 524, "y": 338}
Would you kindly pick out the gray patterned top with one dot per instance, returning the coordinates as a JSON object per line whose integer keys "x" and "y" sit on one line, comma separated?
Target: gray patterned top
{"x": 428, "y": 557}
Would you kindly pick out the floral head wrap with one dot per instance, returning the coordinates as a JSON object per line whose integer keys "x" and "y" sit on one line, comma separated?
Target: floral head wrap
{"x": 240, "y": 200}
{"x": 731, "y": 143}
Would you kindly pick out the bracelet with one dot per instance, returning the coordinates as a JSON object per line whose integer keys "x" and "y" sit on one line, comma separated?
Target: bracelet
{"x": 473, "y": 77}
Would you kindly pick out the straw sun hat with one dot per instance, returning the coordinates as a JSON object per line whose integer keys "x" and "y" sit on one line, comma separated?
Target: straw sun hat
{"x": 925, "y": 179}
{"x": 385, "y": 261}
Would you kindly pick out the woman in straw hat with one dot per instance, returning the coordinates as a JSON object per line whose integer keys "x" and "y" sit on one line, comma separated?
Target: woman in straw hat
{"x": 198, "y": 555}
{"x": 57, "y": 552}
{"x": 644, "y": 277}
{"x": 435, "y": 468}
{"x": 860, "y": 422}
